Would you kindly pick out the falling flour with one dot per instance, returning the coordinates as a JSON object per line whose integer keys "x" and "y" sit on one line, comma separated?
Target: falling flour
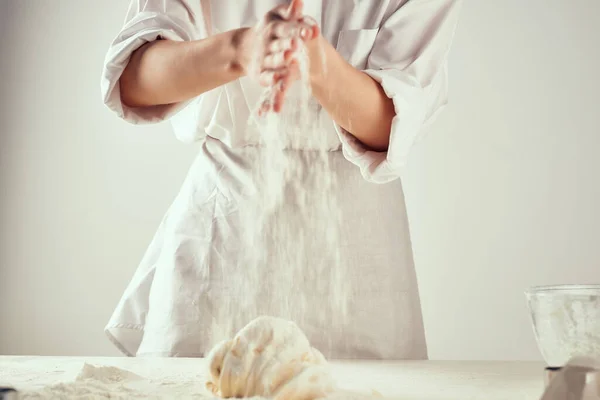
{"x": 292, "y": 265}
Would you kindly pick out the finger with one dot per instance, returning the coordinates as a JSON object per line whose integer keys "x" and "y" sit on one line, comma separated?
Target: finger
{"x": 294, "y": 70}
{"x": 279, "y": 96}
{"x": 312, "y": 25}
{"x": 283, "y": 85}
{"x": 275, "y": 77}
{"x": 280, "y": 45}
{"x": 264, "y": 108}
{"x": 271, "y": 77}
{"x": 267, "y": 106}
{"x": 285, "y": 29}
{"x": 274, "y": 61}
{"x": 266, "y": 78}
{"x": 295, "y": 9}
{"x": 278, "y": 60}
{"x": 279, "y": 12}
{"x": 278, "y": 100}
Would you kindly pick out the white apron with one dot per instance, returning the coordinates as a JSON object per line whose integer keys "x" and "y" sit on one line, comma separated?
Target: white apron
{"x": 168, "y": 307}
{"x": 171, "y": 305}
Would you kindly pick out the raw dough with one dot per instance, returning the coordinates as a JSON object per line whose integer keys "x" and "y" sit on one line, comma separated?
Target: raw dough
{"x": 271, "y": 358}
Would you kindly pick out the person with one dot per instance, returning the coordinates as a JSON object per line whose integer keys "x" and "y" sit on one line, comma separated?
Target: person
{"x": 378, "y": 70}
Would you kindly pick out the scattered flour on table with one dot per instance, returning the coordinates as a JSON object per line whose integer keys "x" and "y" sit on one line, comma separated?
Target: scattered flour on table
{"x": 106, "y": 374}
{"x": 108, "y": 382}
{"x": 91, "y": 383}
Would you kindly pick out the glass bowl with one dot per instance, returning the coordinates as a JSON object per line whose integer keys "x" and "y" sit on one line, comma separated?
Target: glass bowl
{"x": 566, "y": 321}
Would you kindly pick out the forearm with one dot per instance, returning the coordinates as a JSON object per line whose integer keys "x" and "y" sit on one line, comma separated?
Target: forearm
{"x": 354, "y": 100}
{"x": 166, "y": 72}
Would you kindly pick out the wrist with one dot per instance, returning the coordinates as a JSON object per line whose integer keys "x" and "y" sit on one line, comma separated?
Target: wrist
{"x": 241, "y": 45}
{"x": 320, "y": 64}
{"x": 317, "y": 83}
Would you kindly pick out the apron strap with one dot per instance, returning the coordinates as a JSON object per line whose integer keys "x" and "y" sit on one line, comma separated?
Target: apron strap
{"x": 207, "y": 16}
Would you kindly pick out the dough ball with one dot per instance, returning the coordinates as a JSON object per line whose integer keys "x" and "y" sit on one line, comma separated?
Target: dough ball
{"x": 270, "y": 357}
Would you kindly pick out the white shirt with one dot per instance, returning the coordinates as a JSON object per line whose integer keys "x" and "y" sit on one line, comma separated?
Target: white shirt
{"x": 403, "y": 45}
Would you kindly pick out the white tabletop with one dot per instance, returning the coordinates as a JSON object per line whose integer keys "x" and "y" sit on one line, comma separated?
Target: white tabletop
{"x": 185, "y": 377}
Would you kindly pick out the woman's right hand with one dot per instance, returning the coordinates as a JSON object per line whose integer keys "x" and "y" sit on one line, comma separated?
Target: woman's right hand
{"x": 267, "y": 52}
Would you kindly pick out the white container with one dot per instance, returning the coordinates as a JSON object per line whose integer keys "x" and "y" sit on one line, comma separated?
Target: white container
{"x": 566, "y": 321}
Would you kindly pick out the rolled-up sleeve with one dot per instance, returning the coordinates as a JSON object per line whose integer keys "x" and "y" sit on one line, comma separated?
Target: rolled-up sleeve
{"x": 409, "y": 60}
{"x": 146, "y": 21}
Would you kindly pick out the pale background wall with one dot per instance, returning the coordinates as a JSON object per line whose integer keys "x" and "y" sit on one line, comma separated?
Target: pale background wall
{"x": 503, "y": 193}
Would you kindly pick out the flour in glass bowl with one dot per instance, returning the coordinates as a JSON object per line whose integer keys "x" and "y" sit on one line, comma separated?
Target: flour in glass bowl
{"x": 566, "y": 322}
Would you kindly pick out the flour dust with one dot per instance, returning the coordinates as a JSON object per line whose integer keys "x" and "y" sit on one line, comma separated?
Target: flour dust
{"x": 292, "y": 265}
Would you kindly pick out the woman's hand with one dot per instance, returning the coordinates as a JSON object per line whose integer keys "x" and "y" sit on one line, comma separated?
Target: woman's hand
{"x": 268, "y": 51}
